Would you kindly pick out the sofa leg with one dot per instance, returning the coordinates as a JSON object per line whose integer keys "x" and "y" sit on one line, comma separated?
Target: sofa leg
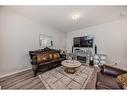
{"x": 35, "y": 67}
{"x": 35, "y": 73}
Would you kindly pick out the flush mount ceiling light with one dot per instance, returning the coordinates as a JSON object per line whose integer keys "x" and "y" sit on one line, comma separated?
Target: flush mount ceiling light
{"x": 123, "y": 14}
{"x": 75, "y": 16}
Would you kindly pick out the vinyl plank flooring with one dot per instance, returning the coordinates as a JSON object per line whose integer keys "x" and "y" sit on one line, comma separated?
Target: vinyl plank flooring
{"x": 32, "y": 84}
{"x": 20, "y": 85}
{"x": 16, "y": 79}
{"x": 13, "y": 76}
{"x": 22, "y": 80}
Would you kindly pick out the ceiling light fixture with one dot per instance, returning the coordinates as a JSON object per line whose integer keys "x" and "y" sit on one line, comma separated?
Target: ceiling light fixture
{"x": 75, "y": 16}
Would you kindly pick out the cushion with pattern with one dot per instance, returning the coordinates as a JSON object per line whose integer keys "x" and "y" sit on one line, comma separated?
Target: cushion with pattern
{"x": 50, "y": 56}
{"x": 56, "y": 55}
{"x": 42, "y": 58}
{"x": 123, "y": 79}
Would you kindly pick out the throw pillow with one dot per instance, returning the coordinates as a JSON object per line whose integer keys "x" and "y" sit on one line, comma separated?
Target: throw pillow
{"x": 56, "y": 55}
{"x": 123, "y": 79}
{"x": 42, "y": 58}
{"x": 50, "y": 56}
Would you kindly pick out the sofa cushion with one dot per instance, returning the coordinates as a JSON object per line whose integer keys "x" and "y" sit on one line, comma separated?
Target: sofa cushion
{"x": 50, "y": 56}
{"x": 42, "y": 57}
{"x": 53, "y": 61}
{"x": 56, "y": 55}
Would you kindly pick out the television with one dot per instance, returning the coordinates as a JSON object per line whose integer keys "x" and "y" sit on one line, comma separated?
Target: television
{"x": 85, "y": 41}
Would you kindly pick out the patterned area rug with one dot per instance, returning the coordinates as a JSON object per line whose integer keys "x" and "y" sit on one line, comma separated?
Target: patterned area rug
{"x": 59, "y": 79}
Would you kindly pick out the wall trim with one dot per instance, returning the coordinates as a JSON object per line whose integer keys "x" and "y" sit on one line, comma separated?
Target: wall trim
{"x": 5, "y": 75}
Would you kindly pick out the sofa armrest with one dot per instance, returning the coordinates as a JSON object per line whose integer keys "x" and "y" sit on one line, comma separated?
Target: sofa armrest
{"x": 111, "y": 70}
{"x": 34, "y": 60}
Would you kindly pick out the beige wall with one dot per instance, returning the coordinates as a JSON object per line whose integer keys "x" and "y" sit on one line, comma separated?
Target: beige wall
{"x": 111, "y": 39}
{"x": 18, "y": 35}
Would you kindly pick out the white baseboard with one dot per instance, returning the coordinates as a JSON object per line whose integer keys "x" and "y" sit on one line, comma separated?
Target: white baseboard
{"x": 5, "y": 75}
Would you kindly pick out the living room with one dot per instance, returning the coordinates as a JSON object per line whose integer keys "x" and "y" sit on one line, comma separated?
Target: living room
{"x": 25, "y": 28}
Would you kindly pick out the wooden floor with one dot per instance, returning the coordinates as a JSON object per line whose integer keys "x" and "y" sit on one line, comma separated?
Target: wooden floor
{"x": 25, "y": 80}
{"x": 22, "y": 80}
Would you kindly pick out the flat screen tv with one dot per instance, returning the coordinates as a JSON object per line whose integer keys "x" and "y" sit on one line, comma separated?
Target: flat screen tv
{"x": 85, "y": 41}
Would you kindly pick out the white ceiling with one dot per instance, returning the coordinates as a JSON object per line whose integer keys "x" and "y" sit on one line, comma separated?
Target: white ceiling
{"x": 59, "y": 17}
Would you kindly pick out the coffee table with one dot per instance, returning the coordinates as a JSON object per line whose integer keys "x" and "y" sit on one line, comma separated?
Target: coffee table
{"x": 70, "y": 65}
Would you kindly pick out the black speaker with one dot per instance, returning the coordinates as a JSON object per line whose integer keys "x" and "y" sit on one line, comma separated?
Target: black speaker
{"x": 95, "y": 49}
